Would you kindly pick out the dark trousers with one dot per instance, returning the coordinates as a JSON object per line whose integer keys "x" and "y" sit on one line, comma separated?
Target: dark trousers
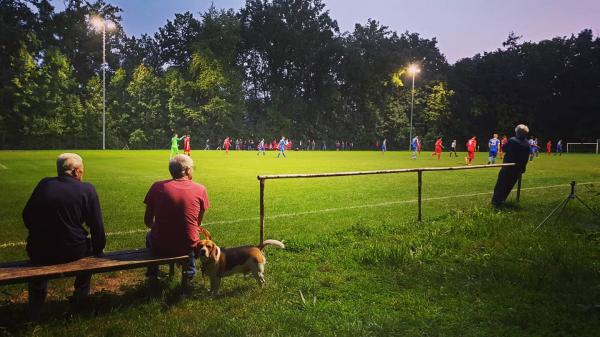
{"x": 507, "y": 178}
{"x": 38, "y": 289}
{"x": 190, "y": 267}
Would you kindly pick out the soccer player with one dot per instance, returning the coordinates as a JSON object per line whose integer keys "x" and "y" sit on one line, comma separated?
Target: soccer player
{"x": 531, "y": 148}
{"x": 471, "y": 147}
{"x": 414, "y": 145}
{"x": 419, "y": 145}
{"x": 207, "y": 147}
{"x": 226, "y": 144}
{"x": 175, "y": 145}
{"x": 438, "y": 148}
{"x": 503, "y": 141}
{"x": 453, "y": 148}
{"x": 187, "y": 149}
{"x": 493, "y": 145}
{"x": 549, "y": 147}
{"x": 282, "y": 144}
{"x": 559, "y": 149}
{"x": 261, "y": 147}
{"x": 384, "y": 145}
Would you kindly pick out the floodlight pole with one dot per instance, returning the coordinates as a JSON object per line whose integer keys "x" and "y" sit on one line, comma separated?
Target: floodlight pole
{"x": 103, "y": 85}
{"x": 412, "y": 104}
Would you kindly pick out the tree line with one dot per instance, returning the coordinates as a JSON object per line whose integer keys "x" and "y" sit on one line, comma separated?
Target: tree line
{"x": 271, "y": 68}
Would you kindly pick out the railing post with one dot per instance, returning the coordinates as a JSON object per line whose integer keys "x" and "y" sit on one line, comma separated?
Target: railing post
{"x": 519, "y": 187}
{"x": 262, "y": 210}
{"x": 420, "y": 175}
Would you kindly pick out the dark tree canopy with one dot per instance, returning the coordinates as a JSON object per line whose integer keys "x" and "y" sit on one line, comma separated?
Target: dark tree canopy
{"x": 279, "y": 67}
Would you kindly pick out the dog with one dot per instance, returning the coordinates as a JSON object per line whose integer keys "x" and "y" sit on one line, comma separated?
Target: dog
{"x": 219, "y": 262}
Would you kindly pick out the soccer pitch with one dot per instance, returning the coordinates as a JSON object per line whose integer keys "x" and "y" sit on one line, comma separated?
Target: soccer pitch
{"x": 363, "y": 263}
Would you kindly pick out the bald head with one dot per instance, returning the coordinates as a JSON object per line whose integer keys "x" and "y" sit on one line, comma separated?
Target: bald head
{"x": 69, "y": 164}
{"x": 181, "y": 166}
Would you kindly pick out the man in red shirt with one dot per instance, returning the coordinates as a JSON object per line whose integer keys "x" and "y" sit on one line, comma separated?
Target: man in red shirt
{"x": 438, "y": 148}
{"x": 226, "y": 144}
{"x": 174, "y": 212}
{"x": 503, "y": 141}
{"x": 471, "y": 147}
{"x": 549, "y": 147}
{"x": 187, "y": 149}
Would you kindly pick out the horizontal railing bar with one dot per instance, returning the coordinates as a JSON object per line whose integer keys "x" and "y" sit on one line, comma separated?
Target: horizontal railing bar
{"x": 359, "y": 173}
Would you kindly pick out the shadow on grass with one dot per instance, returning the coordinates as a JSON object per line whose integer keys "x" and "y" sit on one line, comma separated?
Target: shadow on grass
{"x": 15, "y": 318}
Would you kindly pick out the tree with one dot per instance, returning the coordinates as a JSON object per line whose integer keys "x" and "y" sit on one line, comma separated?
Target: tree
{"x": 146, "y": 94}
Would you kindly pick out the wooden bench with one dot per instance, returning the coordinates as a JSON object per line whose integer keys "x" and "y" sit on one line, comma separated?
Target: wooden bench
{"x": 24, "y": 271}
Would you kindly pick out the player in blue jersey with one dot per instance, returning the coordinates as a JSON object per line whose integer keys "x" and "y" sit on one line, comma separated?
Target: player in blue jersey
{"x": 494, "y": 145}
{"x": 282, "y": 144}
{"x": 414, "y": 146}
{"x": 261, "y": 147}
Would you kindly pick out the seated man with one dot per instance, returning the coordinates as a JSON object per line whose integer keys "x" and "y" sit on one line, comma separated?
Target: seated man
{"x": 174, "y": 212}
{"x": 54, "y": 216}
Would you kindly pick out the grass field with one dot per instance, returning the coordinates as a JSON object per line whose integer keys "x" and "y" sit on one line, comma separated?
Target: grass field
{"x": 355, "y": 251}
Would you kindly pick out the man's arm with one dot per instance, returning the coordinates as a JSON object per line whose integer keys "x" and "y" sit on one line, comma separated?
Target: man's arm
{"x": 149, "y": 216}
{"x": 94, "y": 221}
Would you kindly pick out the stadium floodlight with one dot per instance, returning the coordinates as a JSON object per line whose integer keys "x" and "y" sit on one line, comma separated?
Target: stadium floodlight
{"x": 413, "y": 69}
{"x": 100, "y": 24}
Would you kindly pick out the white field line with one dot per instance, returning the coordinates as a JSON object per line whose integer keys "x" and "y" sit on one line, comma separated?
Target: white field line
{"x": 325, "y": 210}
{"x": 3, "y": 167}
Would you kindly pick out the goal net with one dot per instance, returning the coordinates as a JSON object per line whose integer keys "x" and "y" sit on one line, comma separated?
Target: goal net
{"x": 583, "y": 147}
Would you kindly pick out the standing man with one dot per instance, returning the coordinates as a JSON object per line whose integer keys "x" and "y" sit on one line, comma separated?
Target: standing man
{"x": 453, "y": 148}
{"x": 175, "y": 145}
{"x": 531, "y": 148}
{"x": 438, "y": 148}
{"x": 282, "y": 144}
{"x": 549, "y": 147}
{"x": 493, "y": 146}
{"x": 559, "y": 148}
{"x": 517, "y": 151}
{"x": 502, "y": 143}
{"x": 471, "y": 147}
{"x": 384, "y": 145}
{"x": 174, "y": 212}
{"x": 414, "y": 145}
{"x": 54, "y": 217}
{"x": 226, "y": 144}
{"x": 187, "y": 149}
{"x": 261, "y": 147}
{"x": 207, "y": 146}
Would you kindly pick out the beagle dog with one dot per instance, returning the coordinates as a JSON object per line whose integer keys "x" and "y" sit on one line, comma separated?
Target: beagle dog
{"x": 219, "y": 262}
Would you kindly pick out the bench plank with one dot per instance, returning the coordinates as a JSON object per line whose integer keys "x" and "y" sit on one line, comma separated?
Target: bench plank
{"x": 23, "y": 271}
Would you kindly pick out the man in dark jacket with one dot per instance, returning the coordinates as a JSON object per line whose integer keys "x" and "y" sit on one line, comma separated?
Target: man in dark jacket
{"x": 54, "y": 216}
{"x": 516, "y": 151}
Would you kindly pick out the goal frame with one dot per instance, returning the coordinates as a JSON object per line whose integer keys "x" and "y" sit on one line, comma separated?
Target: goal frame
{"x": 597, "y": 144}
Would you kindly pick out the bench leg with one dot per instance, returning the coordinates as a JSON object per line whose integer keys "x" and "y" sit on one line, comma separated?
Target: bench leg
{"x": 171, "y": 270}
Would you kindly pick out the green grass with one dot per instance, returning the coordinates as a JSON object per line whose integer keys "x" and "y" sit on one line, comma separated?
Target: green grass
{"x": 363, "y": 263}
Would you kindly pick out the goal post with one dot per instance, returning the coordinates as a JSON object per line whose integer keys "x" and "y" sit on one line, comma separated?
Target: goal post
{"x": 589, "y": 147}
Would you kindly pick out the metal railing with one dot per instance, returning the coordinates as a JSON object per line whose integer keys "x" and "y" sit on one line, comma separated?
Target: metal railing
{"x": 420, "y": 170}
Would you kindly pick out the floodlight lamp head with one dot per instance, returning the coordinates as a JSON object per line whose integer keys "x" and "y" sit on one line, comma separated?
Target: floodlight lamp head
{"x": 413, "y": 69}
{"x": 97, "y": 22}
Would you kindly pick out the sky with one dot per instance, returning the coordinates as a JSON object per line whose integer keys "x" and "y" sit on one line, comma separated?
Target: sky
{"x": 463, "y": 28}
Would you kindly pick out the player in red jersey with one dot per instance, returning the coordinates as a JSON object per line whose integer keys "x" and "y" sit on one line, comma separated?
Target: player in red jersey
{"x": 549, "y": 147}
{"x": 471, "y": 146}
{"x": 226, "y": 144}
{"x": 438, "y": 148}
{"x": 187, "y": 149}
{"x": 503, "y": 141}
